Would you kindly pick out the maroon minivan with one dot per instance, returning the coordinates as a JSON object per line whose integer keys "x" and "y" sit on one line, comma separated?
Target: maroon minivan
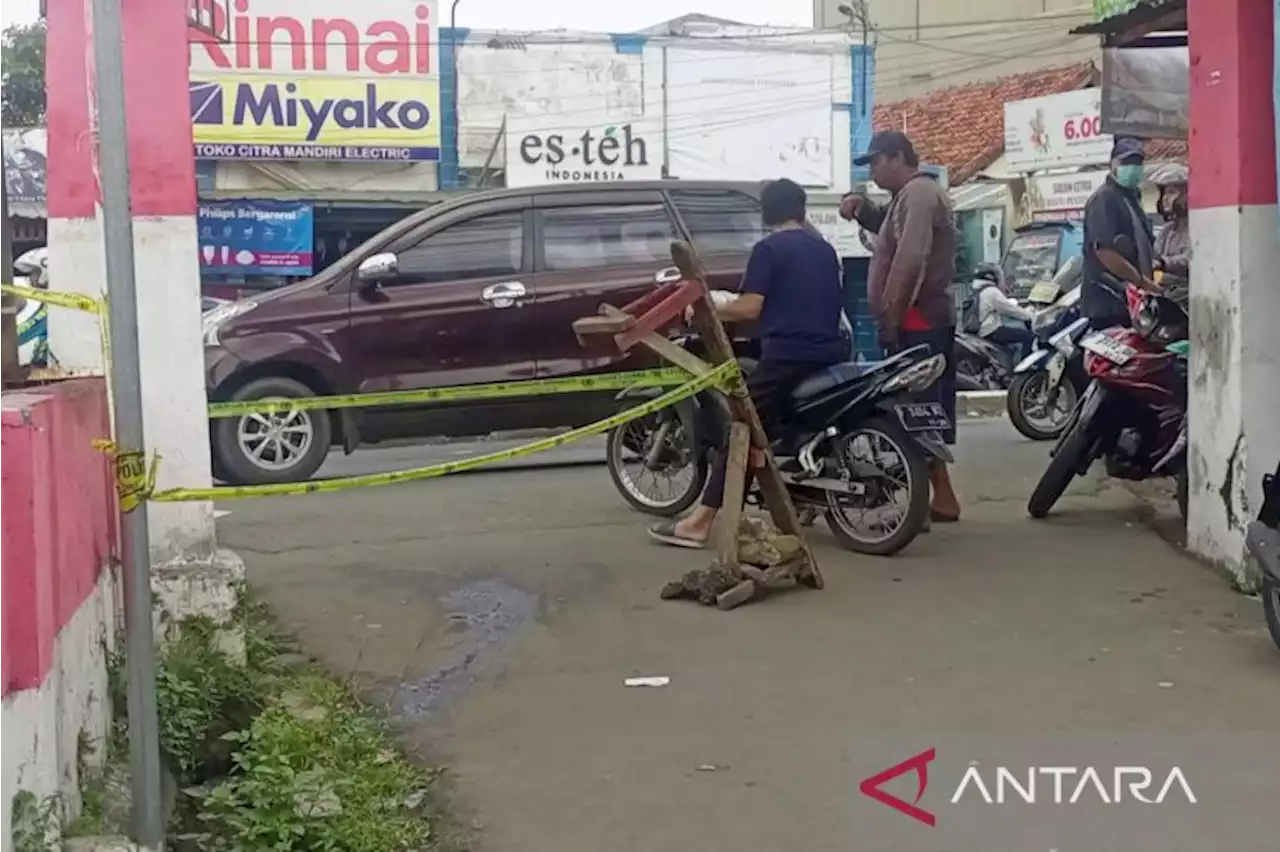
{"x": 481, "y": 288}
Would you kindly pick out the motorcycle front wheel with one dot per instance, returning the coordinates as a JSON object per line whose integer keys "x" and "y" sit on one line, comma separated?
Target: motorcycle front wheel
{"x": 1029, "y": 410}
{"x": 1271, "y": 607}
{"x": 901, "y": 469}
{"x": 1061, "y": 470}
{"x": 654, "y": 463}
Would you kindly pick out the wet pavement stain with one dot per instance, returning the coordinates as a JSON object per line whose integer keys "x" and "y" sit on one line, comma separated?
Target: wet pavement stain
{"x": 483, "y": 614}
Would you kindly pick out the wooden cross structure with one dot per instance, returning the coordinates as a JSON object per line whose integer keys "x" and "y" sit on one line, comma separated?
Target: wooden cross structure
{"x": 639, "y": 324}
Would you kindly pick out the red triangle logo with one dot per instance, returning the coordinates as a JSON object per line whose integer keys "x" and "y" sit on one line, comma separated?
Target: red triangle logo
{"x": 920, "y": 766}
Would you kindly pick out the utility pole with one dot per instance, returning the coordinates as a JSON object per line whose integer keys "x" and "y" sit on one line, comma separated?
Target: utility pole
{"x": 126, "y": 384}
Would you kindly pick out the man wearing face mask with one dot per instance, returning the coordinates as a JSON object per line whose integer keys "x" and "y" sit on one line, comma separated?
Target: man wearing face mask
{"x": 1173, "y": 246}
{"x": 1118, "y": 242}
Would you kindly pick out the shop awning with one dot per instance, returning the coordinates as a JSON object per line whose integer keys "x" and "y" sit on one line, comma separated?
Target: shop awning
{"x": 979, "y": 196}
{"x": 1144, "y": 19}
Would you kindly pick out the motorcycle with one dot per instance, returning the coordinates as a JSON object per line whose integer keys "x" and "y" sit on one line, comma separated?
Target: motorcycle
{"x": 850, "y": 448}
{"x": 1133, "y": 413}
{"x": 1263, "y": 541}
{"x": 33, "y": 318}
{"x": 981, "y": 364}
{"x": 1039, "y": 401}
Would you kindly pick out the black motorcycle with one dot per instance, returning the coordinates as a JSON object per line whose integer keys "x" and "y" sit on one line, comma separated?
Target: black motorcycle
{"x": 1263, "y": 540}
{"x": 853, "y": 449}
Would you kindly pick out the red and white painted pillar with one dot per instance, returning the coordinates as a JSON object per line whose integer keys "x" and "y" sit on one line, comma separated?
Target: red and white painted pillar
{"x": 1235, "y": 276}
{"x": 163, "y": 195}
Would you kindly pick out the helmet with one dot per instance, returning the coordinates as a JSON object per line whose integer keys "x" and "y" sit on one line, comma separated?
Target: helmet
{"x": 989, "y": 272}
{"x": 1170, "y": 174}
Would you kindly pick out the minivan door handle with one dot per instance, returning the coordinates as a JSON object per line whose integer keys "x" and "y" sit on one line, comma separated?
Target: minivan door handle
{"x": 504, "y": 294}
{"x": 667, "y": 276}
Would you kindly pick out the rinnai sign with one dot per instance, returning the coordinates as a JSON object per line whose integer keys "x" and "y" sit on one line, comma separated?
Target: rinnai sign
{"x": 1056, "y": 785}
{"x": 1056, "y": 131}
{"x": 629, "y": 149}
{"x": 324, "y": 79}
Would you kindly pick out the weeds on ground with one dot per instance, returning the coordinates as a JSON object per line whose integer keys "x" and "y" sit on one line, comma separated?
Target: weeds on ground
{"x": 271, "y": 758}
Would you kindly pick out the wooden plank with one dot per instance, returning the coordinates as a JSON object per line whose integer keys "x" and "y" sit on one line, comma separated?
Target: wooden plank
{"x": 648, "y": 300}
{"x": 662, "y": 314}
{"x": 735, "y": 480}
{"x": 606, "y": 325}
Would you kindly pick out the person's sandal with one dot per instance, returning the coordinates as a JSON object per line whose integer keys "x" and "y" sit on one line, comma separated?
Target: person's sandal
{"x": 665, "y": 533}
{"x": 943, "y": 517}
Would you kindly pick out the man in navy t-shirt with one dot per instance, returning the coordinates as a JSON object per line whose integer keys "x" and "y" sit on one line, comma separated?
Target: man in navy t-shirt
{"x": 793, "y": 287}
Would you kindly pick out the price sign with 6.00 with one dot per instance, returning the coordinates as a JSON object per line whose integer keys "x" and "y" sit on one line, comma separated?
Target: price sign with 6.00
{"x": 1085, "y": 127}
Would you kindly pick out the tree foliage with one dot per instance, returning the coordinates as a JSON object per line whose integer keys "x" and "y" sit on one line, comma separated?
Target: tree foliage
{"x": 22, "y": 75}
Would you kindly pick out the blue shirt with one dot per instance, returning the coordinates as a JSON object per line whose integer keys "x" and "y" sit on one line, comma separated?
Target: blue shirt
{"x": 798, "y": 274}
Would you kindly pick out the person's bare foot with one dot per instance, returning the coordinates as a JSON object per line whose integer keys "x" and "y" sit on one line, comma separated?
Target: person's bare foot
{"x": 944, "y": 508}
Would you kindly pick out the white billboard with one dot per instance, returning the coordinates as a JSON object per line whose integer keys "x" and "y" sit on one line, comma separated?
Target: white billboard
{"x": 750, "y": 115}
{"x": 549, "y": 149}
{"x": 1062, "y": 196}
{"x": 1056, "y": 131}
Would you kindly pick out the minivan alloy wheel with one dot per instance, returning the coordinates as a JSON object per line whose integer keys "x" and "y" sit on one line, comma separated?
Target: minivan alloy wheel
{"x": 275, "y": 441}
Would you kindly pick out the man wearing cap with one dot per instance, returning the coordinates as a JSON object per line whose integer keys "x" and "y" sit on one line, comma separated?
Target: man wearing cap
{"x": 909, "y": 287}
{"x": 1118, "y": 240}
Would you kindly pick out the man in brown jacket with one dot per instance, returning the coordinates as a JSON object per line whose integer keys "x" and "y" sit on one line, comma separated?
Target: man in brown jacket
{"x": 909, "y": 287}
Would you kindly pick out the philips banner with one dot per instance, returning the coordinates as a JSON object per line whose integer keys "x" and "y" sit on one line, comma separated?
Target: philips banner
{"x": 320, "y": 80}
{"x": 255, "y": 237}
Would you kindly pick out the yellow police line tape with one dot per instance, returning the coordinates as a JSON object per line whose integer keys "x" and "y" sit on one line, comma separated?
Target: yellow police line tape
{"x": 75, "y": 301}
{"x": 136, "y": 478}
{"x": 496, "y": 390}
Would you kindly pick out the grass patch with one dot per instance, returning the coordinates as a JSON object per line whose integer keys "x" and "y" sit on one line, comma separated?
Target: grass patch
{"x": 268, "y": 755}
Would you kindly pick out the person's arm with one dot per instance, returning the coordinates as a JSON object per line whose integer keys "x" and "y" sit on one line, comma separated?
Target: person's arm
{"x": 910, "y": 260}
{"x": 1102, "y": 230}
{"x": 1010, "y": 308}
{"x": 757, "y": 282}
{"x": 855, "y": 207}
{"x": 1175, "y": 251}
{"x": 1115, "y": 263}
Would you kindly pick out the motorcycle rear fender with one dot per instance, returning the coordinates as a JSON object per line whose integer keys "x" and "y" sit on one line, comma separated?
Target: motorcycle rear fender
{"x": 1264, "y": 543}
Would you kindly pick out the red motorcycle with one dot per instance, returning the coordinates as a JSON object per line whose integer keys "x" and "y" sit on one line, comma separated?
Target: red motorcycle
{"x": 1133, "y": 414}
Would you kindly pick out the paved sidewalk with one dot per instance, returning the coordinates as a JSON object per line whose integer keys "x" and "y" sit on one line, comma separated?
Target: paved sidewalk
{"x": 501, "y": 613}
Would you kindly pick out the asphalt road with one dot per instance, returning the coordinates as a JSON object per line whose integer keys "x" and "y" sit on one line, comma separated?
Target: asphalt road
{"x": 498, "y": 615}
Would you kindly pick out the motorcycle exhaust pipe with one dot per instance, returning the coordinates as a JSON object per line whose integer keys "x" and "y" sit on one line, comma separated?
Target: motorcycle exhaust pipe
{"x": 811, "y": 466}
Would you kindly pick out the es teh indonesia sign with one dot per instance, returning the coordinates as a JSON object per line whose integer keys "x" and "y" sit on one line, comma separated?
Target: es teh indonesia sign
{"x": 541, "y": 150}
{"x": 317, "y": 79}
{"x": 1056, "y": 131}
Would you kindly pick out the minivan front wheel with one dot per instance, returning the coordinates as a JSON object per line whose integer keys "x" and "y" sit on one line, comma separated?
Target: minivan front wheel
{"x": 285, "y": 446}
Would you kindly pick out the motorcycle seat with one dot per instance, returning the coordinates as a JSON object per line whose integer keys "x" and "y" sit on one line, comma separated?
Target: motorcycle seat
{"x": 848, "y": 371}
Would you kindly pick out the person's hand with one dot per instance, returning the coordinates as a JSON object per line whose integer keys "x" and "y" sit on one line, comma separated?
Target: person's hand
{"x": 851, "y": 204}
{"x": 1158, "y": 264}
{"x": 1152, "y": 286}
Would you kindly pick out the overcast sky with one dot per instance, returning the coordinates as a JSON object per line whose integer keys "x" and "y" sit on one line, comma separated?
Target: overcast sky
{"x": 590, "y": 15}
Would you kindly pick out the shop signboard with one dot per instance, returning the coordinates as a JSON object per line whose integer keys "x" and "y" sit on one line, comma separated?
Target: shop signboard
{"x": 848, "y": 238}
{"x": 546, "y": 149}
{"x": 1057, "y": 197}
{"x": 255, "y": 237}
{"x": 322, "y": 80}
{"x": 1056, "y": 131}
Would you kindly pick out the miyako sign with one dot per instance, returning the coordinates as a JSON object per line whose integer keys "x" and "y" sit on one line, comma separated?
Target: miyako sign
{"x": 317, "y": 79}
{"x": 541, "y": 152}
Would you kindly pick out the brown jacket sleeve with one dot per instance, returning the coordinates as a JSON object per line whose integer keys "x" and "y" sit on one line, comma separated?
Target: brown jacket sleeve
{"x": 870, "y": 215}
{"x": 914, "y": 219}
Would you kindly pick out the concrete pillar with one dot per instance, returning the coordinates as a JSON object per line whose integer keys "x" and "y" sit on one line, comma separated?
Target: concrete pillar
{"x": 187, "y": 571}
{"x": 1235, "y": 291}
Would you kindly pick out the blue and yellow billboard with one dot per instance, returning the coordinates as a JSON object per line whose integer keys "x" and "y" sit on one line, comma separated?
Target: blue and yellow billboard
{"x": 258, "y": 117}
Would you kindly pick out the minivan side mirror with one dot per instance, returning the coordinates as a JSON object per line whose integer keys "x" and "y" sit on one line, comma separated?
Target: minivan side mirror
{"x": 378, "y": 267}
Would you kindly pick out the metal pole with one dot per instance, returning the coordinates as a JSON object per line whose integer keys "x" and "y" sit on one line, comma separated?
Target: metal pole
{"x": 117, "y": 232}
{"x": 455, "y": 179}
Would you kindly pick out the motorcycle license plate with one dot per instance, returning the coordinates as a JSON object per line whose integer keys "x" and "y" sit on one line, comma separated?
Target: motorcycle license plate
{"x": 1108, "y": 347}
{"x": 923, "y": 417}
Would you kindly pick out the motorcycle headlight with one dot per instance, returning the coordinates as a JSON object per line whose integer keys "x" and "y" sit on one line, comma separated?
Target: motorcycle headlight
{"x": 918, "y": 376}
{"x": 214, "y": 319}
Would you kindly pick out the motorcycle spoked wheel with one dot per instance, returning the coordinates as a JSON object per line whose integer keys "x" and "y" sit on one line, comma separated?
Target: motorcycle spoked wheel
{"x": 1271, "y": 607}
{"x": 680, "y": 453}
{"x": 1061, "y": 470}
{"x": 911, "y": 469}
{"x": 1029, "y": 386}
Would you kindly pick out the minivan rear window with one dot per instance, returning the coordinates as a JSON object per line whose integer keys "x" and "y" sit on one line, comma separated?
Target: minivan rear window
{"x": 720, "y": 221}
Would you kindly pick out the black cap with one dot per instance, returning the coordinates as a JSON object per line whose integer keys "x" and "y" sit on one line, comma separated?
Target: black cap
{"x": 1128, "y": 148}
{"x": 891, "y": 143}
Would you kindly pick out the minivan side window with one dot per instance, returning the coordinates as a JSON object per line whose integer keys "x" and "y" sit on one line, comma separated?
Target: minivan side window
{"x": 606, "y": 235}
{"x": 483, "y": 247}
{"x": 720, "y": 221}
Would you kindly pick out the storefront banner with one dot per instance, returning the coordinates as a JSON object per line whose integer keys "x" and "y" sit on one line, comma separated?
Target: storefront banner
{"x": 1056, "y": 131}
{"x": 315, "y": 118}
{"x": 848, "y": 238}
{"x": 544, "y": 149}
{"x": 1147, "y": 92}
{"x": 323, "y": 80}
{"x": 26, "y": 170}
{"x": 255, "y": 237}
{"x": 1057, "y": 197}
